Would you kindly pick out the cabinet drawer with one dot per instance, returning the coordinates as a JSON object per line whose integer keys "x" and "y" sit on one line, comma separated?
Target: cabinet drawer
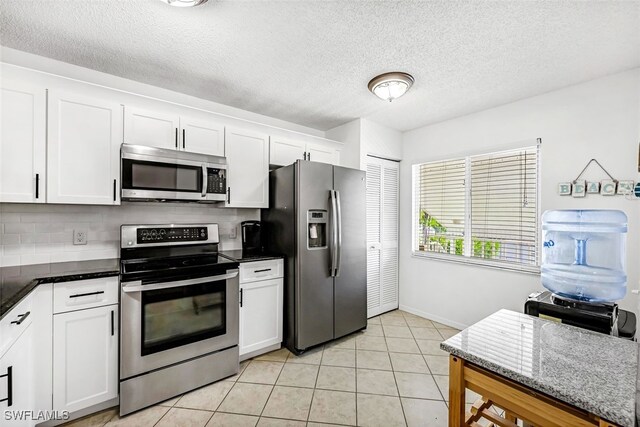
{"x": 81, "y": 294}
{"x": 261, "y": 270}
{"x": 15, "y": 322}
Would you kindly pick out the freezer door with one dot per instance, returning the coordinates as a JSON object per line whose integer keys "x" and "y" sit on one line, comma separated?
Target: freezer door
{"x": 350, "y": 288}
{"x": 314, "y": 284}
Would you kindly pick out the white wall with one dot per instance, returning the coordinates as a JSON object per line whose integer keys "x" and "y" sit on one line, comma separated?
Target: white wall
{"x": 362, "y": 137}
{"x": 349, "y": 134}
{"x": 35, "y": 233}
{"x": 381, "y": 141}
{"x": 598, "y": 119}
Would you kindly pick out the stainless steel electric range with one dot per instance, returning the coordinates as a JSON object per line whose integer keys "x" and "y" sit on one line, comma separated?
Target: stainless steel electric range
{"x": 179, "y": 312}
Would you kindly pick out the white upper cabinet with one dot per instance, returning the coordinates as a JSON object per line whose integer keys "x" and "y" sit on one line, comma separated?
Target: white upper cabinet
{"x": 23, "y": 143}
{"x": 285, "y": 152}
{"x": 321, "y": 153}
{"x": 84, "y": 136}
{"x": 202, "y": 136}
{"x": 248, "y": 174}
{"x": 151, "y": 128}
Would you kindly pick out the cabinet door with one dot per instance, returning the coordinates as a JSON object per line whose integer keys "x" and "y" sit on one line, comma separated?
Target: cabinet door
{"x": 260, "y": 315}
{"x": 85, "y": 357}
{"x": 22, "y": 143}
{"x": 248, "y": 175}
{"x": 83, "y": 149}
{"x": 320, "y": 153}
{"x": 284, "y": 152}
{"x": 202, "y": 136}
{"x": 19, "y": 359}
{"x": 151, "y": 128}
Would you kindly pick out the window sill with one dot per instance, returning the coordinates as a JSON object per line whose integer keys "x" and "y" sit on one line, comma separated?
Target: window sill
{"x": 496, "y": 265}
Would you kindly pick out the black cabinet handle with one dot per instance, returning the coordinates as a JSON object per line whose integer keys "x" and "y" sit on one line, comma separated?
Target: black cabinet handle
{"x": 305, "y": 155}
{"x": 262, "y": 271}
{"x": 37, "y": 185}
{"x": 176, "y": 138}
{"x": 9, "y": 375}
{"x": 241, "y": 297}
{"x": 21, "y": 318}
{"x": 184, "y": 136}
{"x": 114, "y": 190}
{"x": 86, "y": 295}
{"x": 228, "y": 194}
{"x": 112, "y": 323}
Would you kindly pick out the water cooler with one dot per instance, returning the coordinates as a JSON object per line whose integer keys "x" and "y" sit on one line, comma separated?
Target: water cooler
{"x": 584, "y": 269}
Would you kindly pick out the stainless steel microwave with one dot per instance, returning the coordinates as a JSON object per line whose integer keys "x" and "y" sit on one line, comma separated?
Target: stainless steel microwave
{"x": 156, "y": 174}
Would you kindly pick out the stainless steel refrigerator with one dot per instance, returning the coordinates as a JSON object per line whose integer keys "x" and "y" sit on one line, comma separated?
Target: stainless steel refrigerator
{"x": 317, "y": 220}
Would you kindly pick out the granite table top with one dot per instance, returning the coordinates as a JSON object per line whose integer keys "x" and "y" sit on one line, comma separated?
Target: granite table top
{"x": 243, "y": 256}
{"x": 589, "y": 370}
{"x": 16, "y": 282}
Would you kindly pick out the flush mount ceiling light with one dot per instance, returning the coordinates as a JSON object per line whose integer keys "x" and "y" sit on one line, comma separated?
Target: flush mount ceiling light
{"x": 389, "y": 86}
{"x": 184, "y": 3}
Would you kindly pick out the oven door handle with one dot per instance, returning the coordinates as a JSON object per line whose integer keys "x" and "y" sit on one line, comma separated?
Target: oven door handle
{"x": 137, "y": 286}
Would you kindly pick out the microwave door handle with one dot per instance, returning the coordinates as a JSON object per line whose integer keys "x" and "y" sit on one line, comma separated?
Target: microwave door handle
{"x": 137, "y": 286}
{"x": 204, "y": 180}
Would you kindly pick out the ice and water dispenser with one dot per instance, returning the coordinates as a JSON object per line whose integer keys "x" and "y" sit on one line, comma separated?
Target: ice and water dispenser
{"x": 316, "y": 229}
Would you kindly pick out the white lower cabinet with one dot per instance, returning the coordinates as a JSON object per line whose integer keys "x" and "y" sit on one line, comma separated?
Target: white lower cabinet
{"x": 17, "y": 382}
{"x": 261, "y": 307}
{"x": 85, "y": 357}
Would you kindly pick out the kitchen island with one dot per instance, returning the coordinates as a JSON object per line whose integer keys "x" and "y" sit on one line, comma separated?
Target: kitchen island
{"x": 541, "y": 372}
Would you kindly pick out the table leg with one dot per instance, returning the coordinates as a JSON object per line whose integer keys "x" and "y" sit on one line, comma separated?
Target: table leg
{"x": 456, "y": 391}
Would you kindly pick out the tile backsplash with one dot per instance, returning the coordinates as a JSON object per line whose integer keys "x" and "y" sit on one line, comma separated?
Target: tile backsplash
{"x": 42, "y": 233}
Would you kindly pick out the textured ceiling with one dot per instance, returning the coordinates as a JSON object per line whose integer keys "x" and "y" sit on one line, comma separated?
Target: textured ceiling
{"x": 309, "y": 62}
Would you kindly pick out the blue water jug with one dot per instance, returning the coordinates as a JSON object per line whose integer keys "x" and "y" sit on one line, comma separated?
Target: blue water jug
{"x": 584, "y": 254}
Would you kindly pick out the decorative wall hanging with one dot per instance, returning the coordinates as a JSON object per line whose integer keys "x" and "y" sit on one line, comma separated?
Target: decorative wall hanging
{"x": 607, "y": 187}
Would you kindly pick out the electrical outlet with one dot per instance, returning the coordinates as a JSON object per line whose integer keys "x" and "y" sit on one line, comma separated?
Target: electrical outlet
{"x": 80, "y": 237}
{"x": 233, "y": 233}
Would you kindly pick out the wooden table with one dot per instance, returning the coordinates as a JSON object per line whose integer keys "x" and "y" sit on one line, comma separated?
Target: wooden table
{"x": 517, "y": 401}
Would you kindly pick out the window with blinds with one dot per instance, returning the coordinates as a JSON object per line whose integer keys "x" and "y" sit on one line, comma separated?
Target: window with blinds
{"x": 440, "y": 202}
{"x": 504, "y": 206}
{"x": 482, "y": 207}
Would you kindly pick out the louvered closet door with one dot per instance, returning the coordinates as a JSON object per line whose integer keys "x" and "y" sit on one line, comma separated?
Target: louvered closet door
{"x": 382, "y": 235}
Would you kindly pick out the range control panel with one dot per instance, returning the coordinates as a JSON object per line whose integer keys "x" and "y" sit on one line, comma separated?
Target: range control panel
{"x": 174, "y": 234}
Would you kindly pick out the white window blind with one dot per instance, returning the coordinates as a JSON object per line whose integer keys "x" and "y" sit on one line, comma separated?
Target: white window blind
{"x": 504, "y": 206}
{"x": 482, "y": 208}
{"x": 440, "y": 203}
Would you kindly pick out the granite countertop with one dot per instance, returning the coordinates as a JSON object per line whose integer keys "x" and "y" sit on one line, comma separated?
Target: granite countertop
{"x": 241, "y": 256}
{"x": 16, "y": 282}
{"x": 589, "y": 370}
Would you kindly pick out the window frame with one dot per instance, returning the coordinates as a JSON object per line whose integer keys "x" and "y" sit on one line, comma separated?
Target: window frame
{"x": 466, "y": 257}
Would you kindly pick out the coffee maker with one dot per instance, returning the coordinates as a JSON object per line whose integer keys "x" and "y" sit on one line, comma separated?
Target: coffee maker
{"x": 251, "y": 237}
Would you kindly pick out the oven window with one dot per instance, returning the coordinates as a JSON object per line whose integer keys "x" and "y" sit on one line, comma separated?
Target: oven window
{"x": 141, "y": 175}
{"x": 178, "y": 316}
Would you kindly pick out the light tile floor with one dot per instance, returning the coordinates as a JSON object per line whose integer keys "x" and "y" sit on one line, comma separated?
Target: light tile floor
{"x": 391, "y": 374}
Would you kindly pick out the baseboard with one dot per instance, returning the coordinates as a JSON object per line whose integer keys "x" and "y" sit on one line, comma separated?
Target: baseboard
{"x": 255, "y": 353}
{"x": 434, "y": 317}
{"x": 83, "y": 413}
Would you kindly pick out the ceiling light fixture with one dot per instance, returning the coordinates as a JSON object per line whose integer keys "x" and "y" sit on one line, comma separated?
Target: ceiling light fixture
{"x": 389, "y": 86}
{"x": 184, "y": 3}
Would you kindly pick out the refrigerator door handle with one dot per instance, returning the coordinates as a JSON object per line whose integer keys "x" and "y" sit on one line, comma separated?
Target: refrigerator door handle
{"x": 339, "y": 233}
{"x": 334, "y": 233}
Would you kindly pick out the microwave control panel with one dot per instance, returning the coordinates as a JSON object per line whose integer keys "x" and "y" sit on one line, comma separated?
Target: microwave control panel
{"x": 174, "y": 234}
{"x": 216, "y": 181}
